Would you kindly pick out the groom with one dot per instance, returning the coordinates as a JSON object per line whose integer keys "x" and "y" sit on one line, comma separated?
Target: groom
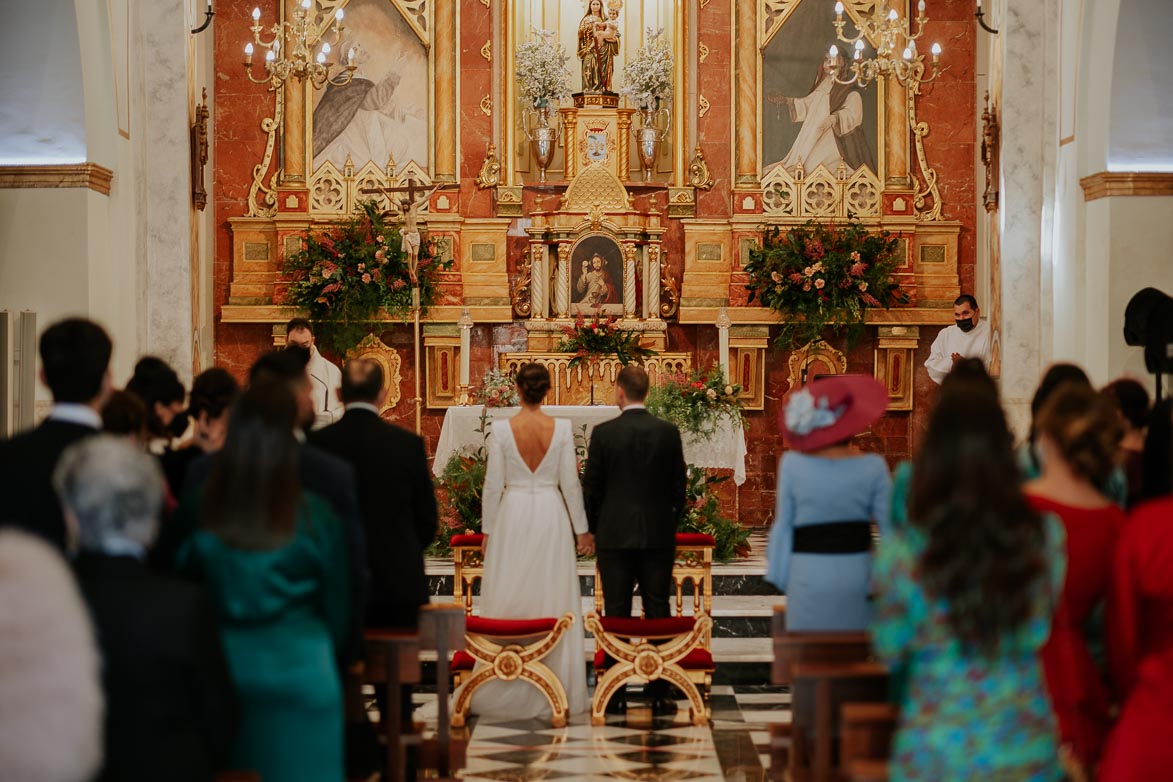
{"x": 634, "y": 490}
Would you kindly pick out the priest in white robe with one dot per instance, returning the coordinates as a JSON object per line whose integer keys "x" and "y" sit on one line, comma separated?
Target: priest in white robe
{"x": 968, "y": 337}
{"x": 325, "y": 376}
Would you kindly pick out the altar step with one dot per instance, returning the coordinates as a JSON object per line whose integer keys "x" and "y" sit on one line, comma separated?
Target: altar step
{"x": 742, "y": 607}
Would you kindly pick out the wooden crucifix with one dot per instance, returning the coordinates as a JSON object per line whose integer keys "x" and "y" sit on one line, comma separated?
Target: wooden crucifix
{"x": 409, "y": 208}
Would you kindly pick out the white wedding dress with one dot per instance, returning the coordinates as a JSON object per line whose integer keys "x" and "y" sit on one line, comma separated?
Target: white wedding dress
{"x": 531, "y": 518}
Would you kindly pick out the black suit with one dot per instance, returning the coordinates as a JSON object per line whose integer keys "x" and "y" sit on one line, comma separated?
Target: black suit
{"x": 634, "y": 490}
{"x": 320, "y": 473}
{"x": 169, "y": 698}
{"x": 27, "y": 462}
{"x": 398, "y": 506}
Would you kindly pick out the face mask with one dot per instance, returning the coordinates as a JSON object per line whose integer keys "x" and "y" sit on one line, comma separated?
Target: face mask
{"x": 178, "y": 425}
{"x": 965, "y": 325}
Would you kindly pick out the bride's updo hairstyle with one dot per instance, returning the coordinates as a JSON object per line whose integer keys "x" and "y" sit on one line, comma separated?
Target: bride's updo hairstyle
{"x": 533, "y": 383}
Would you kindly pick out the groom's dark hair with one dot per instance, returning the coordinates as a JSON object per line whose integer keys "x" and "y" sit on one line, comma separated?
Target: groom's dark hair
{"x": 634, "y": 382}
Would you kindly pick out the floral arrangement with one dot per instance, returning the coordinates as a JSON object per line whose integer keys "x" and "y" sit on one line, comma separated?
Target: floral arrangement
{"x": 498, "y": 389}
{"x": 696, "y": 403}
{"x": 601, "y": 337}
{"x": 823, "y": 276}
{"x": 647, "y": 77}
{"x": 703, "y": 514}
{"x": 804, "y": 415}
{"x": 346, "y": 277}
{"x": 541, "y": 69}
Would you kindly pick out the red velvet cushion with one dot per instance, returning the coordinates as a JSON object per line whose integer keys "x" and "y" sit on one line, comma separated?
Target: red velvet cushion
{"x": 479, "y": 625}
{"x": 629, "y": 627}
{"x": 462, "y": 661}
{"x": 476, "y": 539}
{"x": 699, "y": 659}
{"x": 695, "y": 539}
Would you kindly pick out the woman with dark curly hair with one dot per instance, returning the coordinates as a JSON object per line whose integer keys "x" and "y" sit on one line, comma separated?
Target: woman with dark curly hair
{"x": 965, "y": 594}
{"x": 1077, "y": 435}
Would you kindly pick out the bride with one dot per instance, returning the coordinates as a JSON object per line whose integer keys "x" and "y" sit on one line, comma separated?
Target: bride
{"x": 534, "y": 522}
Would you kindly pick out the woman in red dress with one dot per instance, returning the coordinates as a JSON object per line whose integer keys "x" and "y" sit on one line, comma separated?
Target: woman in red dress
{"x": 1078, "y": 436}
{"x": 1140, "y": 644}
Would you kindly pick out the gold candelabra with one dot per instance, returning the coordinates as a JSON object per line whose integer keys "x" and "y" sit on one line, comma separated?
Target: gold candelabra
{"x": 895, "y": 45}
{"x": 294, "y": 58}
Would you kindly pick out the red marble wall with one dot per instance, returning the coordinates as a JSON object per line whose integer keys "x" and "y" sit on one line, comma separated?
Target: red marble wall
{"x": 947, "y": 106}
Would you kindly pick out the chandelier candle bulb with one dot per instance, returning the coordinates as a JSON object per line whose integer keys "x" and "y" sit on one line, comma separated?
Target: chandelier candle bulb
{"x": 920, "y": 7}
{"x": 325, "y": 47}
{"x": 257, "y": 14}
{"x": 936, "y": 52}
{"x": 892, "y": 15}
{"x": 248, "y": 54}
{"x": 833, "y": 52}
{"x": 907, "y": 53}
{"x": 838, "y": 11}
{"x": 269, "y": 56}
{"x": 339, "y": 14}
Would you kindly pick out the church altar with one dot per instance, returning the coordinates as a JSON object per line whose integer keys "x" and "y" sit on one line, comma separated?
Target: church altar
{"x": 725, "y": 450}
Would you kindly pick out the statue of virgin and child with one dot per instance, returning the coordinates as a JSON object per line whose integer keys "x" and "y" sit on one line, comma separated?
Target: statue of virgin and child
{"x": 598, "y": 44}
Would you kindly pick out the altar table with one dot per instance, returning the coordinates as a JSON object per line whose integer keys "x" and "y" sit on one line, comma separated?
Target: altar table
{"x": 724, "y": 450}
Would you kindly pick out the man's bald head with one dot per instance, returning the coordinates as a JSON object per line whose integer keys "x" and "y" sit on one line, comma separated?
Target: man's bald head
{"x": 362, "y": 381}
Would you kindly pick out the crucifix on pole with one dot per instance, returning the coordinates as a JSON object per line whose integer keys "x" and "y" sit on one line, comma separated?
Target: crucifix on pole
{"x": 409, "y": 230}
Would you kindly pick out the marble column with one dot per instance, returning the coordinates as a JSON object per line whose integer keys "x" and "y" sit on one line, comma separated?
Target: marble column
{"x": 164, "y": 180}
{"x": 1028, "y": 79}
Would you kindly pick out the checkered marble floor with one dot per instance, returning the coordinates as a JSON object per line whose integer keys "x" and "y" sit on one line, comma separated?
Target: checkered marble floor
{"x": 636, "y": 747}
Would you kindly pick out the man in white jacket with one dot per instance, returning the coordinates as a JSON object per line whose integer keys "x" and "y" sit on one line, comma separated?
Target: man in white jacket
{"x": 325, "y": 377}
{"x": 969, "y": 337}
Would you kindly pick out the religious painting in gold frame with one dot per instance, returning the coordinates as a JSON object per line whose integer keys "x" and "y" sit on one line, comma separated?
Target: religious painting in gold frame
{"x": 519, "y": 18}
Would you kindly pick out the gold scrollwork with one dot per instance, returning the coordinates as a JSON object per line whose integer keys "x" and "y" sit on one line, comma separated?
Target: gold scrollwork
{"x": 703, "y": 51}
{"x": 698, "y": 171}
{"x": 669, "y": 290}
{"x": 373, "y": 349}
{"x": 270, "y": 126}
{"x": 487, "y": 105}
{"x": 520, "y": 293}
{"x": 703, "y": 106}
{"x": 487, "y": 50}
{"x": 929, "y": 191}
{"x": 490, "y": 173}
{"x": 817, "y": 352}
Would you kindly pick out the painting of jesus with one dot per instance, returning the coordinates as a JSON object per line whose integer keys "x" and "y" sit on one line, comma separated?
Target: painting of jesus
{"x": 596, "y": 269}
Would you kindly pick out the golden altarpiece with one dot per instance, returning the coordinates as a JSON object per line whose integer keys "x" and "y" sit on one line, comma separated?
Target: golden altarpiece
{"x": 597, "y": 209}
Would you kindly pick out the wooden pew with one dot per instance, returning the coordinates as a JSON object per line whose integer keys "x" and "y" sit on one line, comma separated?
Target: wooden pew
{"x": 442, "y": 629}
{"x": 817, "y": 666}
{"x": 393, "y": 660}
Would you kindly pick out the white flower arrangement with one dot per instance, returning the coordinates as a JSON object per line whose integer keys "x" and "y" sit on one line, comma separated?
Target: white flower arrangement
{"x": 541, "y": 69}
{"x": 647, "y": 77}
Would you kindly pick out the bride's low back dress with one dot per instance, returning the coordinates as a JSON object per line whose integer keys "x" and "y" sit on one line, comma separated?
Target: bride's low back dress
{"x": 531, "y": 517}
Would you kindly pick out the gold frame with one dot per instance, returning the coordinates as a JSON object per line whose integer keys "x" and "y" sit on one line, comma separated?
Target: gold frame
{"x": 680, "y": 98}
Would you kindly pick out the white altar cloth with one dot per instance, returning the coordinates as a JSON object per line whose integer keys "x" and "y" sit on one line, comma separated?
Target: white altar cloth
{"x": 724, "y": 450}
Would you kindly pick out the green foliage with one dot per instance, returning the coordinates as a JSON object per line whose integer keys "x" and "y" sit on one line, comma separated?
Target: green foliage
{"x": 696, "y": 403}
{"x": 822, "y": 277}
{"x": 345, "y": 277}
{"x": 458, "y": 493}
{"x": 703, "y": 514}
{"x": 599, "y": 338}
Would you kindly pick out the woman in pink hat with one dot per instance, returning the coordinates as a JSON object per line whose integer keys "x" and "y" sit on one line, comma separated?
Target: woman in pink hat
{"x": 829, "y": 496}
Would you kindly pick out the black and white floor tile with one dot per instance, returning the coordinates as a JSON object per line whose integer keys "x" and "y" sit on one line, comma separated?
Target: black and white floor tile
{"x": 635, "y": 747}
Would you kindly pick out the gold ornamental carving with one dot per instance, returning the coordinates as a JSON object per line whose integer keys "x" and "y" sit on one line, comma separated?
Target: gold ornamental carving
{"x": 487, "y": 106}
{"x": 817, "y": 354}
{"x": 703, "y": 106}
{"x": 373, "y": 349}
{"x": 519, "y": 294}
{"x": 490, "y": 173}
{"x": 698, "y": 172}
{"x": 669, "y": 290}
{"x": 487, "y": 50}
{"x": 991, "y": 151}
{"x": 702, "y": 51}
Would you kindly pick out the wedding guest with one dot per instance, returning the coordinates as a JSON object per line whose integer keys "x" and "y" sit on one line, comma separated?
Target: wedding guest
{"x": 968, "y": 337}
{"x": 1132, "y": 405}
{"x": 829, "y": 496}
{"x": 169, "y": 698}
{"x": 274, "y": 557}
{"x": 125, "y": 415}
{"x": 75, "y": 360}
{"x": 968, "y": 373}
{"x": 162, "y": 392}
{"x": 964, "y": 595}
{"x": 212, "y": 393}
{"x": 50, "y": 687}
{"x": 1140, "y": 642}
{"x": 1077, "y": 436}
{"x": 325, "y": 377}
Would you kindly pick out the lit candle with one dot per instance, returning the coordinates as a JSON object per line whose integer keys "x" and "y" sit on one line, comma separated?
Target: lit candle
{"x": 248, "y": 54}
{"x": 306, "y": 4}
{"x": 839, "y": 11}
{"x": 907, "y": 53}
{"x": 893, "y": 16}
{"x": 350, "y": 56}
{"x": 326, "y": 47}
{"x": 256, "y": 14}
{"x": 833, "y": 52}
{"x": 936, "y": 52}
{"x": 723, "y": 324}
{"x": 321, "y": 58}
{"x": 338, "y": 14}
{"x": 269, "y": 56}
{"x": 920, "y": 7}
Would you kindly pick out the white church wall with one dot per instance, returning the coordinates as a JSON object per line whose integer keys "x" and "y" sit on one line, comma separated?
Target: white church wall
{"x": 1141, "y": 131}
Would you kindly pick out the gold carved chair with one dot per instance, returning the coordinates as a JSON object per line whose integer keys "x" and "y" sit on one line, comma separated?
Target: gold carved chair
{"x": 646, "y": 650}
{"x": 468, "y": 567}
{"x": 511, "y": 649}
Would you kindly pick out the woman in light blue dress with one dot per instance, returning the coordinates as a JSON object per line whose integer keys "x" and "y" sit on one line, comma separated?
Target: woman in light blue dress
{"x": 829, "y": 497}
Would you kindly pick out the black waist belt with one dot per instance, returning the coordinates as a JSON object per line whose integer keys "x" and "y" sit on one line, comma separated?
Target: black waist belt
{"x": 833, "y": 537}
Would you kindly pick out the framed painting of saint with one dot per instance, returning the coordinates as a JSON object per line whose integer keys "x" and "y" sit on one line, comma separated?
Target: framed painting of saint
{"x": 809, "y": 117}
{"x": 383, "y": 112}
{"x": 596, "y": 277}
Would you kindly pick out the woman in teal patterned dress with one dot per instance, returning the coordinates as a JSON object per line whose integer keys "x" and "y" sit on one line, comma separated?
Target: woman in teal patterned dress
{"x": 275, "y": 561}
{"x": 965, "y": 594}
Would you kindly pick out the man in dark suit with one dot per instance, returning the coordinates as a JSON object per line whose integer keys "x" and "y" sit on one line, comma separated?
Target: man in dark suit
{"x": 395, "y": 492}
{"x": 75, "y": 365}
{"x": 634, "y": 490}
{"x": 170, "y": 704}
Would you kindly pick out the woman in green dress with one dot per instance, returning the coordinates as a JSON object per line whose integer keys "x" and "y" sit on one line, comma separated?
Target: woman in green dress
{"x": 274, "y": 558}
{"x": 965, "y": 594}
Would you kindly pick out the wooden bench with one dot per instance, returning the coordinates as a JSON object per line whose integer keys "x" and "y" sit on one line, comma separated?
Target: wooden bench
{"x": 393, "y": 661}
